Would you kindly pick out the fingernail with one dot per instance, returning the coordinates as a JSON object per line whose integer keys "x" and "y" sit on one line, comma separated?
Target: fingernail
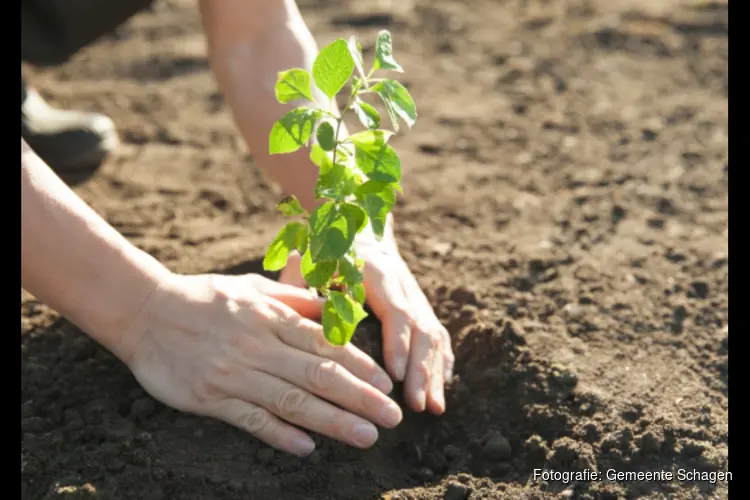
{"x": 383, "y": 383}
{"x": 390, "y": 415}
{"x": 365, "y": 435}
{"x": 419, "y": 397}
{"x": 399, "y": 368}
{"x": 303, "y": 447}
{"x": 440, "y": 401}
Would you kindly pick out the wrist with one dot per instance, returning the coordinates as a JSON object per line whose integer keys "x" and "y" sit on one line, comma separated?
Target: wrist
{"x": 126, "y": 291}
{"x": 367, "y": 238}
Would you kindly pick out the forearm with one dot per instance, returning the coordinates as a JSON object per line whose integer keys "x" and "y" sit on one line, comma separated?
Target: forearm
{"x": 250, "y": 42}
{"x": 75, "y": 262}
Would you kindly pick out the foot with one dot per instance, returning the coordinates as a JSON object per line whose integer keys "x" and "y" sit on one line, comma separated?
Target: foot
{"x": 69, "y": 141}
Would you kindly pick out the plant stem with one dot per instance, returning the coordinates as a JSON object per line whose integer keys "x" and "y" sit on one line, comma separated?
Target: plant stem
{"x": 336, "y": 135}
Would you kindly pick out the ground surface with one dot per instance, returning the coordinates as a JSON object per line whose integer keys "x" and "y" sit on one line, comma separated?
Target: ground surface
{"x": 566, "y": 212}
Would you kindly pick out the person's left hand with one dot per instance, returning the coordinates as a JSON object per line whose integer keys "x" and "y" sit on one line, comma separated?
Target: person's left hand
{"x": 416, "y": 347}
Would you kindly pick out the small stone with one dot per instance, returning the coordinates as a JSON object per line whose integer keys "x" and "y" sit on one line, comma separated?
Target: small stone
{"x": 698, "y": 290}
{"x": 524, "y": 158}
{"x": 441, "y": 247}
{"x": 563, "y": 378}
{"x": 692, "y": 448}
{"x": 456, "y": 491}
{"x": 436, "y": 461}
{"x": 649, "y": 443}
{"x": 573, "y": 312}
{"x": 425, "y": 474}
{"x": 648, "y": 134}
{"x": 617, "y": 440}
{"x": 497, "y": 448}
{"x": 464, "y": 296}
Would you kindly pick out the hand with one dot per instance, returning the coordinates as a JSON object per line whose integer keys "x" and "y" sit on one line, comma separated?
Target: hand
{"x": 416, "y": 347}
{"x": 244, "y": 349}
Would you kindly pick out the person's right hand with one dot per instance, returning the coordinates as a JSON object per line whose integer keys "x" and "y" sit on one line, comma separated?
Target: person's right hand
{"x": 245, "y": 350}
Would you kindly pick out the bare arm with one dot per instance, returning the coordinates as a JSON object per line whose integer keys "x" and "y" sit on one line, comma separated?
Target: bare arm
{"x": 75, "y": 262}
{"x": 249, "y": 42}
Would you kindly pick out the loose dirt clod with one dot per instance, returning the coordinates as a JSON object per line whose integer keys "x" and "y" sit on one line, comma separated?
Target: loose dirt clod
{"x": 456, "y": 491}
{"x": 497, "y": 447}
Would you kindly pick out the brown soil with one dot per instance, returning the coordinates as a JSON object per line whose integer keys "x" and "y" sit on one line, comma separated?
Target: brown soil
{"x": 566, "y": 211}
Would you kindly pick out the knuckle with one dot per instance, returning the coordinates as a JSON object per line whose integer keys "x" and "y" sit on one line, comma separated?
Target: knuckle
{"x": 291, "y": 402}
{"x": 256, "y": 420}
{"x": 403, "y": 313}
{"x": 204, "y": 390}
{"x": 283, "y": 318}
{"x": 250, "y": 346}
{"x": 218, "y": 369}
{"x": 322, "y": 347}
{"x": 321, "y": 375}
{"x": 423, "y": 369}
{"x": 436, "y": 341}
{"x": 449, "y": 357}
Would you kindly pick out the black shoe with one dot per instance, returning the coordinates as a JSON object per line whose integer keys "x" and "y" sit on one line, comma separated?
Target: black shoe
{"x": 68, "y": 141}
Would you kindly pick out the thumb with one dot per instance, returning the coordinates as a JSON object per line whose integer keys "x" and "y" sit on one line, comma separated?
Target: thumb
{"x": 302, "y": 300}
{"x": 292, "y": 274}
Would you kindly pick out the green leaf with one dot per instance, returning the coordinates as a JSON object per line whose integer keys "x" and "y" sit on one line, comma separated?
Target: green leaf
{"x": 292, "y": 85}
{"x": 293, "y": 130}
{"x": 357, "y": 292}
{"x": 278, "y": 251}
{"x": 370, "y": 137}
{"x": 384, "y": 53}
{"x": 348, "y": 310}
{"x": 356, "y": 215}
{"x": 303, "y": 239}
{"x": 338, "y": 331}
{"x": 368, "y": 116}
{"x": 290, "y": 206}
{"x": 355, "y": 49}
{"x": 316, "y": 274}
{"x": 332, "y": 67}
{"x": 397, "y": 100}
{"x": 332, "y": 230}
{"x": 326, "y": 136}
{"x": 392, "y": 115}
{"x": 348, "y": 270}
{"x": 377, "y": 199}
{"x": 379, "y": 162}
{"x": 335, "y": 181}
{"x": 320, "y": 157}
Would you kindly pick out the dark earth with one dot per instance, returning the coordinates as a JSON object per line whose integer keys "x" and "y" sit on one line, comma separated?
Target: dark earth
{"x": 566, "y": 211}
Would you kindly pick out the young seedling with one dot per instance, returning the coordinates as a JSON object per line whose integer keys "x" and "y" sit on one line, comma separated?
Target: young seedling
{"x": 358, "y": 174}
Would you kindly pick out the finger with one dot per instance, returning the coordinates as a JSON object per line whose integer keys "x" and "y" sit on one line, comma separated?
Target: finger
{"x": 449, "y": 359}
{"x": 308, "y": 336}
{"x": 386, "y": 298}
{"x": 420, "y": 370}
{"x": 331, "y": 381}
{"x": 299, "y": 407}
{"x": 301, "y": 300}
{"x": 426, "y": 315}
{"x": 292, "y": 274}
{"x": 435, "y": 394}
{"x": 264, "y": 425}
